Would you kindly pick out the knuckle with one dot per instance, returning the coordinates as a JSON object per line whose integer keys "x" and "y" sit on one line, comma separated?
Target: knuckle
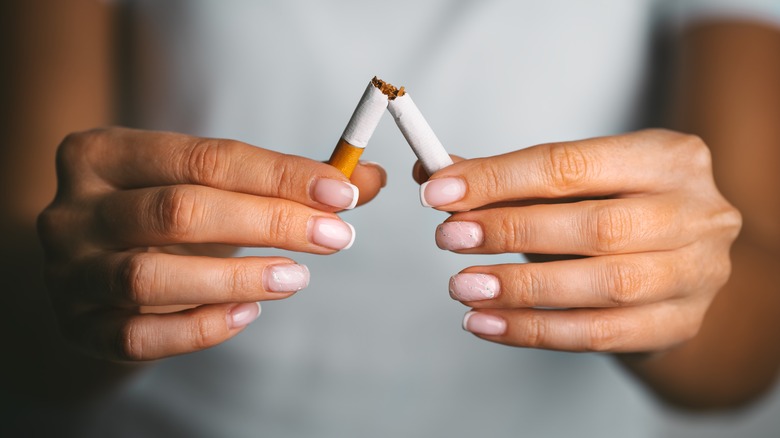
{"x": 536, "y": 328}
{"x": 491, "y": 179}
{"x": 567, "y": 166}
{"x": 73, "y": 146}
{"x": 129, "y": 345}
{"x": 46, "y": 225}
{"x": 137, "y": 279}
{"x": 284, "y": 179}
{"x": 514, "y": 232}
{"x": 242, "y": 280}
{"x": 691, "y": 330}
{"x": 76, "y": 147}
{"x": 206, "y": 160}
{"x": 624, "y": 283}
{"x": 280, "y": 222}
{"x": 178, "y": 210}
{"x": 604, "y": 334}
{"x": 205, "y": 332}
{"x": 613, "y": 228}
{"x": 696, "y": 151}
{"x": 53, "y": 230}
{"x": 530, "y": 284}
{"x": 729, "y": 220}
{"x": 722, "y": 270}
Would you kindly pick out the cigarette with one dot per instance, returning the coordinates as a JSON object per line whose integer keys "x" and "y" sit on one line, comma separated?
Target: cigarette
{"x": 360, "y": 128}
{"x": 418, "y": 133}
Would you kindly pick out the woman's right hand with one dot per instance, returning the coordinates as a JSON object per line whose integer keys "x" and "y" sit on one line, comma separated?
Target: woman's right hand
{"x": 129, "y": 236}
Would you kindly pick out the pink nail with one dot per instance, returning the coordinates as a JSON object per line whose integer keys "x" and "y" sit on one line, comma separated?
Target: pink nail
{"x": 442, "y": 191}
{"x": 474, "y": 287}
{"x": 459, "y": 235}
{"x": 335, "y": 193}
{"x": 285, "y": 278}
{"x": 332, "y": 233}
{"x": 484, "y": 324}
{"x": 243, "y": 314}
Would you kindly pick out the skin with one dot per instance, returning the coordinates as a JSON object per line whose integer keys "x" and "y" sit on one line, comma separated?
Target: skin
{"x": 648, "y": 204}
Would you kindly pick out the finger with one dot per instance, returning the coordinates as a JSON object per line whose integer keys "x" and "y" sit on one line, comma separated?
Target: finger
{"x": 420, "y": 175}
{"x": 124, "y": 335}
{"x": 129, "y": 159}
{"x": 609, "y": 281}
{"x": 196, "y": 214}
{"x": 608, "y": 166}
{"x": 620, "y": 330}
{"x": 370, "y": 178}
{"x": 134, "y": 279}
{"x": 585, "y": 228}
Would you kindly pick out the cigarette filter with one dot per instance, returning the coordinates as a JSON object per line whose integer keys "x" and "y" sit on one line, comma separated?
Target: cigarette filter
{"x": 418, "y": 133}
{"x": 360, "y": 128}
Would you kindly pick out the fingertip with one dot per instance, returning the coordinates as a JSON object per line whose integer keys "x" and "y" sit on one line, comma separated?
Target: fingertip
{"x": 418, "y": 173}
{"x": 378, "y": 169}
{"x": 484, "y": 324}
{"x": 442, "y": 191}
{"x": 370, "y": 178}
{"x": 243, "y": 314}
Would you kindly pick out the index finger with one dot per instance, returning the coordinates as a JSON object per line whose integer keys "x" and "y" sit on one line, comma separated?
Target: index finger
{"x": 649, "y": 161}
{"x": 129, "y": 159}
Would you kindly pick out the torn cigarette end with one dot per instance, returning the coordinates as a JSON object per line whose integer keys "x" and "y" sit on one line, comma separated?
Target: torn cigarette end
{"x": 387, "y": 88}
{"x": 361, "y": 126}
{"x": 419, "y": 134}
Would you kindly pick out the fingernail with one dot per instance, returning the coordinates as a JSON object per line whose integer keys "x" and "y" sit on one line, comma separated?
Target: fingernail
{"x": 243, "y": 314}
{"x": 484, "y": 324}
{"x": 335, "y": 193}
{"x": 442, "y": 191}
{"x": 474, "y": 287}
{"x": 332, "y": 233}
{"x": 382, "y": 171}
{"x": 459, "y": 235}
{"x": 285, "y": 278}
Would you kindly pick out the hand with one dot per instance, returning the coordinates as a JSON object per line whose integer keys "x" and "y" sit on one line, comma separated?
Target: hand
{"x": 132, "y": 230}
{"x": 640, "y": 210}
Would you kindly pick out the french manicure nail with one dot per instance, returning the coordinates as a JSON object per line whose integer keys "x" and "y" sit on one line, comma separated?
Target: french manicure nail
{"x": 332, "y": 233}
{"x": 442, "y": 191}
{"x": 243, "y": 314}
{"x": 484, "y": 324}
{"x": 335, "y": 193}
{"x": 285, "y": 277}
{"x": 474, "y": 287}
{"x": 458, "y": 235}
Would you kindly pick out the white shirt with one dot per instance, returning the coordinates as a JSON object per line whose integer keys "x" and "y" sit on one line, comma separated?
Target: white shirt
{"x": 373, "y": 347}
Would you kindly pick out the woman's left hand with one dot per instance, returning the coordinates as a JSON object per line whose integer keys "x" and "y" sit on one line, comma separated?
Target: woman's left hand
{"x": 644, "y": 231}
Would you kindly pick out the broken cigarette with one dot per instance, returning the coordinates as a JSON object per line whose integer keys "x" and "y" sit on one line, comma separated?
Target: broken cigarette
{"x": 360, "y": 128}
{"x": 380, "y": 95}
{"x": 418, "y": 133}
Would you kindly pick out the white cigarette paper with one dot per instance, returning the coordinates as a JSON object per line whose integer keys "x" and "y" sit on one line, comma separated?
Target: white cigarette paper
{"x": 366, "y": 117}
{"x": 419, "y": 134}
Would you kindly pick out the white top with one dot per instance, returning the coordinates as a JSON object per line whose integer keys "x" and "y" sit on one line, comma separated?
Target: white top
{"x": 374, "y": 347}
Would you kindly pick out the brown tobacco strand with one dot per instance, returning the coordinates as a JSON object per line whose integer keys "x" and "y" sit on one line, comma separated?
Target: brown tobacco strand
{"x": 388, "y": 89}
